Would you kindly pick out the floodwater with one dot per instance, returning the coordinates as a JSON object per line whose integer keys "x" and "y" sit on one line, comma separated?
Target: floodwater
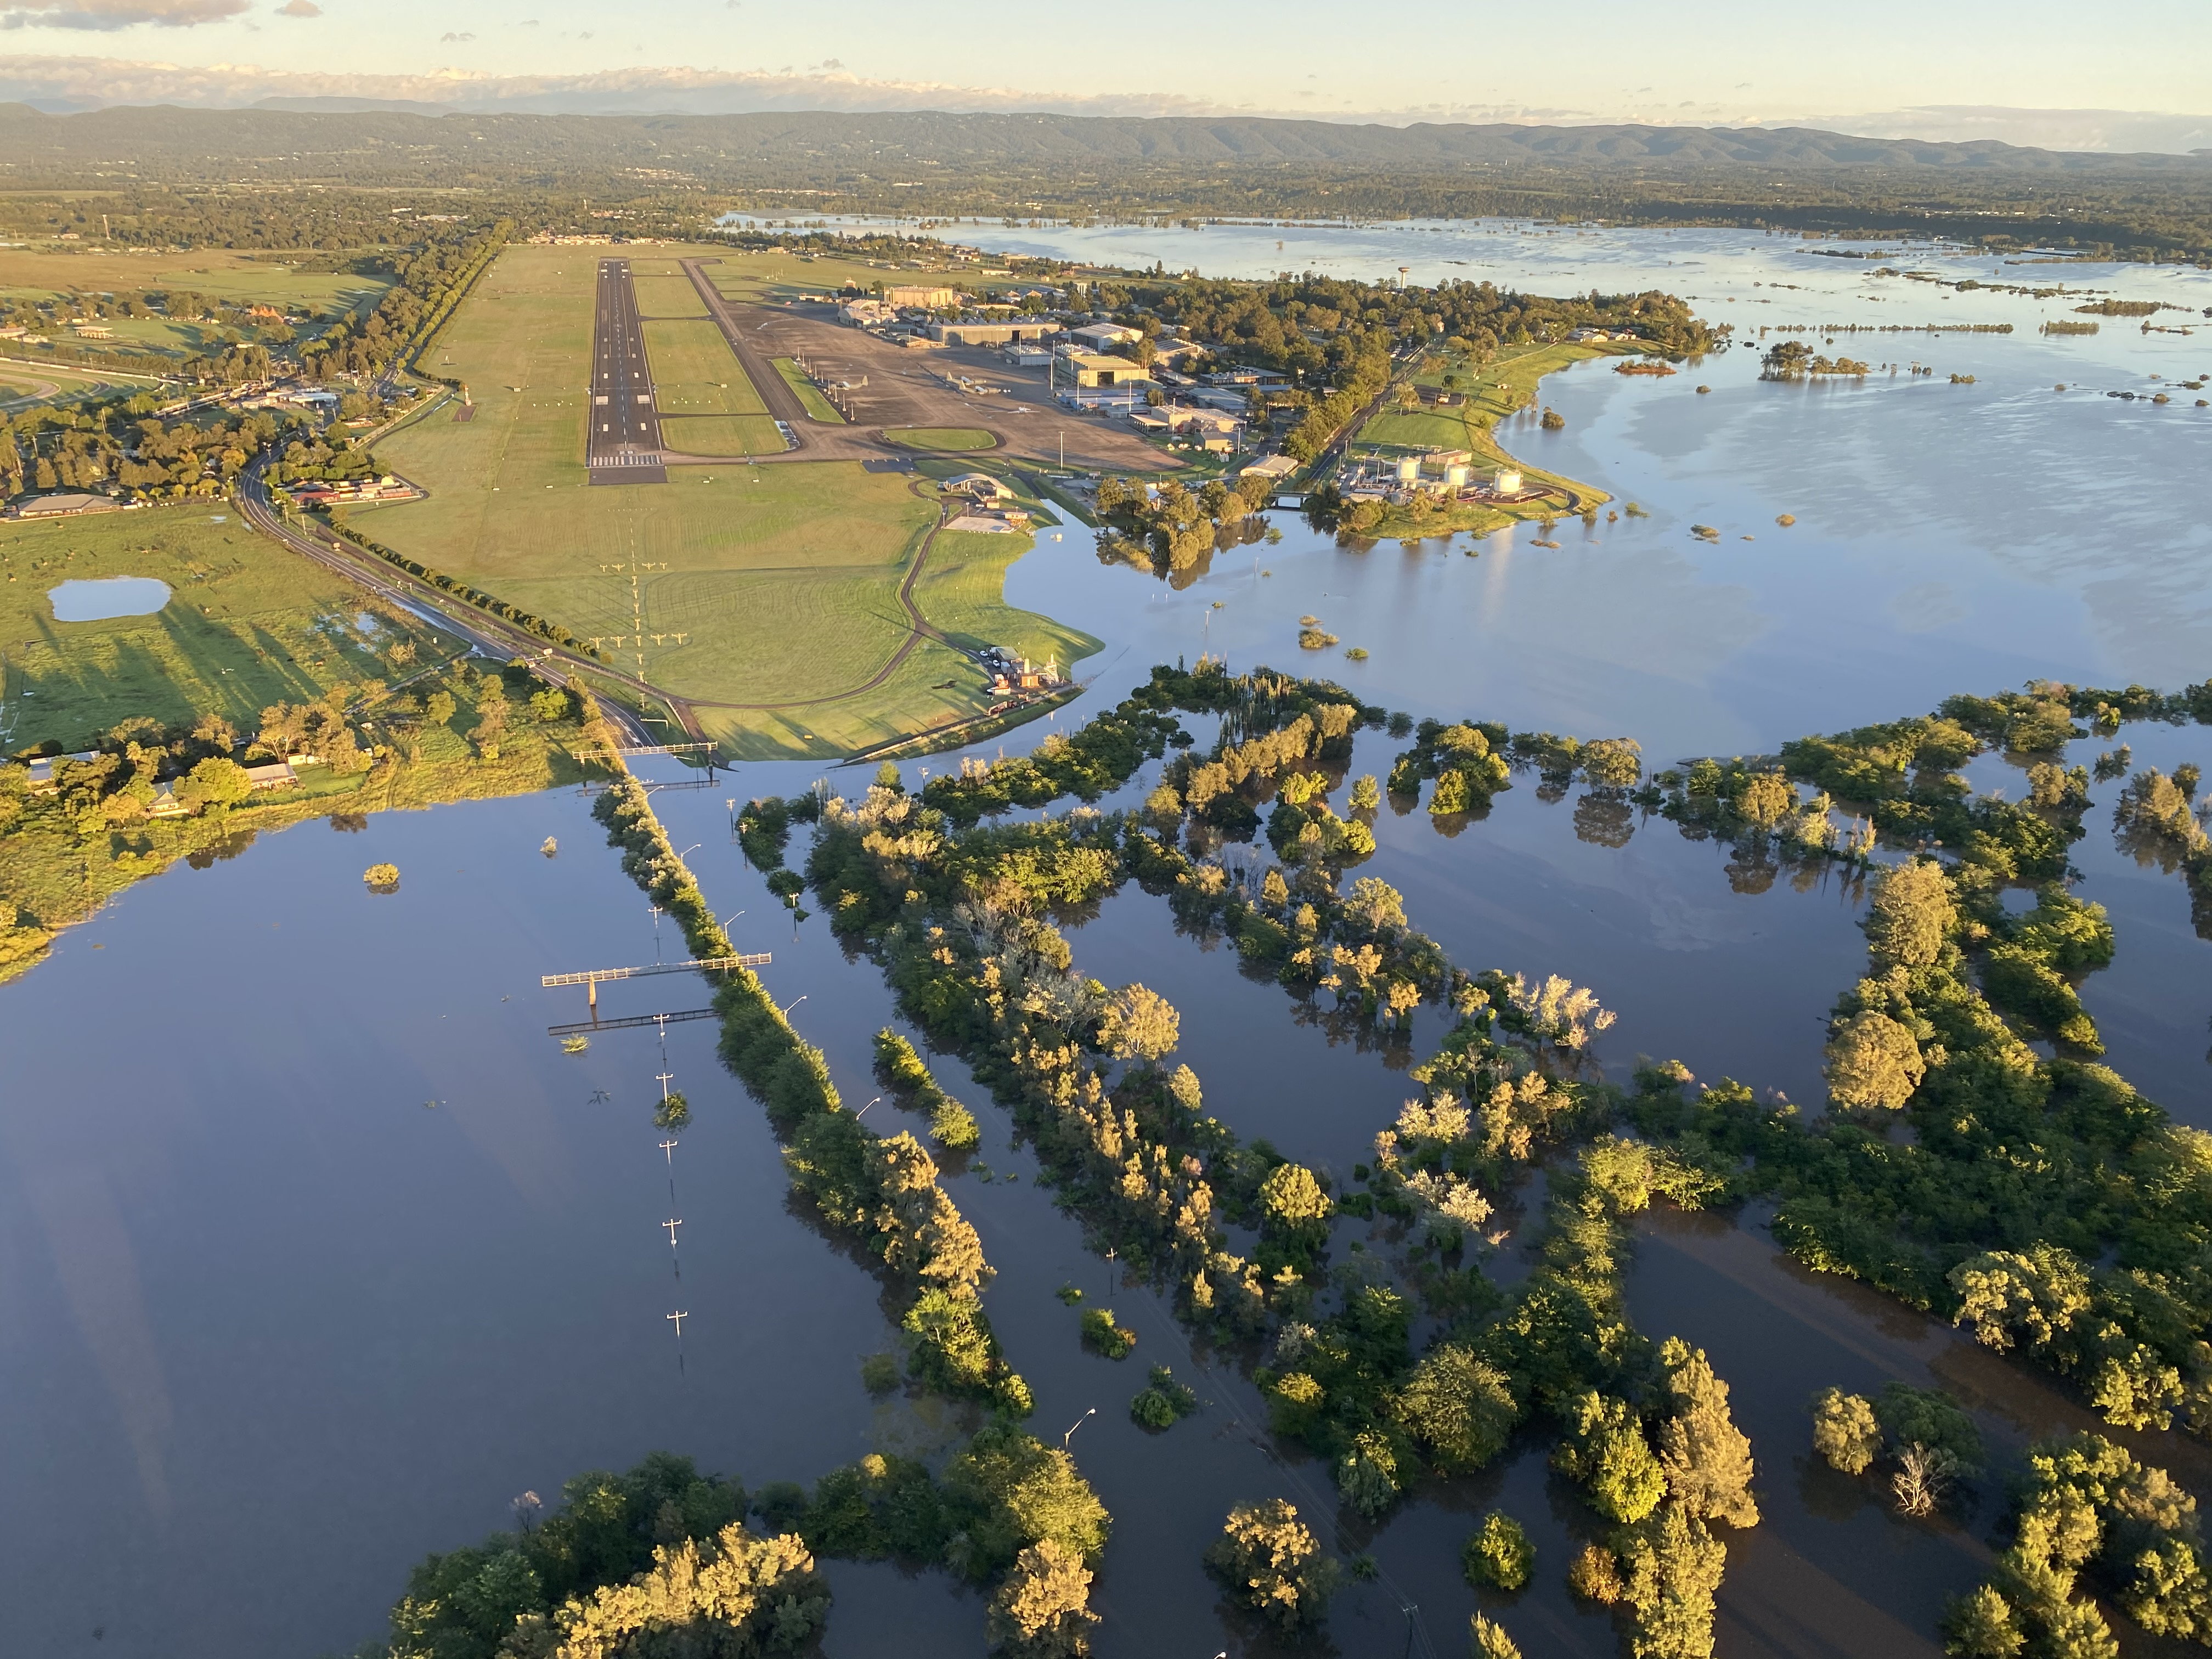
{"x": 101, "y": 597}
{"x": 317, "y": 1249}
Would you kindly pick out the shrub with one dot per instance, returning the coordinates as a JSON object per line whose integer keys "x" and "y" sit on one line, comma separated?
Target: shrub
{"x": 1102, "y": 1334}
{"x": 1165, "y": 1404}
{"x": 1499, "y": 1554}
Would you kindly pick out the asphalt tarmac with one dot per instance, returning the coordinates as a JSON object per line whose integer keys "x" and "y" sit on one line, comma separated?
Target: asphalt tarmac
{"x": 623, "y": 443}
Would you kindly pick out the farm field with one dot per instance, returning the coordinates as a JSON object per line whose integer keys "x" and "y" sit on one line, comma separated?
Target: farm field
{"x": 783, "y": 578}
{"x": 248, "y": 625}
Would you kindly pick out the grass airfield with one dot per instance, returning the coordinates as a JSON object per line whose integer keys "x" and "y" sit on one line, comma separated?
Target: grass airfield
{"x": 783, "y": 580}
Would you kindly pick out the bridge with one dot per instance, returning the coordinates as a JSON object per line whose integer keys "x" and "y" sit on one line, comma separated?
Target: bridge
{"x": 592, "y": 977}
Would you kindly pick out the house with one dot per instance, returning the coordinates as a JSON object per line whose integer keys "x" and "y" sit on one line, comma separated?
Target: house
{"x": 865, "y": 313}
{"x": 43, "y": 781}
{"x": 165, "y": 803}
{"x": 979, "y": 486}
{"x": 62, "y": 504}
{"x": 277, "y": 774}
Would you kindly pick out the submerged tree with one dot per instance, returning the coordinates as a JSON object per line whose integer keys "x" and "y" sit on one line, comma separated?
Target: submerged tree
{"x": 1271, "y": 1563}
{"x": 1043, "y": 1609}
{"x": 1873, "y": 1062}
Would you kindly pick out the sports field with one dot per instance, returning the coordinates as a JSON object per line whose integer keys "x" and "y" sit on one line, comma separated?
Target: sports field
{"x": 25, "y": 383}
{"x": 247, "y": 624}
{"x": 783, "y": 580}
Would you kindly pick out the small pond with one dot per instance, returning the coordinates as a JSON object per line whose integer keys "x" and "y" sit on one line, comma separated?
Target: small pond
{"x": 108, "y": 596}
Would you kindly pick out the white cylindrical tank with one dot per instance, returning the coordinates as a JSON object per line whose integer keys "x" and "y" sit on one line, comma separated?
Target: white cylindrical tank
{"x": 1507, "y": 483}
{"x": 1455, "y": 477}
{"x": 1409, "y": 469}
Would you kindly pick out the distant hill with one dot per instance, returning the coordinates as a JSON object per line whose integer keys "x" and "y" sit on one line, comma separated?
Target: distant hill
{"x": 309, "y": 127}
{"x": 1027, "y": 164}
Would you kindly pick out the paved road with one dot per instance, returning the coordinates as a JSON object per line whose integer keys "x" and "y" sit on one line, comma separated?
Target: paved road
{"x": 492, "y": 636}
{"x": 622, "y": 442}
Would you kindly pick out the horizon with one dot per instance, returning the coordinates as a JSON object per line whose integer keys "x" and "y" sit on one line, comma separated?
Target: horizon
{"x": 1961, "y": 74}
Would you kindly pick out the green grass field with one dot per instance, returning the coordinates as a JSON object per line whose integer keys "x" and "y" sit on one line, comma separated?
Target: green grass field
{"x": 809, "y": 394}
{"x": 731, "y": 435}
{"x": 38, "y": 273}
{"x": 958, "y": 439}
{"x": 248, "y": 625}
{"x": 1496, "y": 390}
{"x": 783, "y": 577}
{"x": 694, "y": 373}
{"x": 666, "y": 296}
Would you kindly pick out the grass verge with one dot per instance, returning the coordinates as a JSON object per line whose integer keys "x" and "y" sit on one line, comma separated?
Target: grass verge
{"x": 956, "y": 438}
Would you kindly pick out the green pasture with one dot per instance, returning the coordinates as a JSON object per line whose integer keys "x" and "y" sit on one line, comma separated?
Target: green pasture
{"x": 248, "y": 625}
{"x": 221, "y": 274}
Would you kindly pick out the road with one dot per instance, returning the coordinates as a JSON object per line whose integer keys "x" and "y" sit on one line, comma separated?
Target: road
{"x": 622, "y": 442}
{"x": 492, "y": 636}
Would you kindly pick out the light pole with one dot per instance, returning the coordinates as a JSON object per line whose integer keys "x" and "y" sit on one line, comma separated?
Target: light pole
{"x": 863, "y": 1112}
{"x": 687, "y": 851}
{"x": 1076, "y": 1424}
{"x": 790, "y": 1005}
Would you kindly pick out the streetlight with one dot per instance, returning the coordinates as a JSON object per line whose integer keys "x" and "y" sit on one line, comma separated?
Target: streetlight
{"x": 863, "y": 1112}
{"x": 692, "y": 849}
{"x": 790, "y": 1005}
{"x": 1076, "y": 1424}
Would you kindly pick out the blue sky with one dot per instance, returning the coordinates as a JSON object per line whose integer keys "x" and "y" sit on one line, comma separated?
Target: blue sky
{"x": 1698, "y": 61}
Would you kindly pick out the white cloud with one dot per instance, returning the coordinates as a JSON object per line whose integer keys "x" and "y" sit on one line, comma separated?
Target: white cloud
{"x": 299, "y": 9}
{"x": 121, "y": 13}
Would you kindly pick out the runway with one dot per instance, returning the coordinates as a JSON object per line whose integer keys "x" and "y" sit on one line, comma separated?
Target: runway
{"x": 622, "y": 446}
